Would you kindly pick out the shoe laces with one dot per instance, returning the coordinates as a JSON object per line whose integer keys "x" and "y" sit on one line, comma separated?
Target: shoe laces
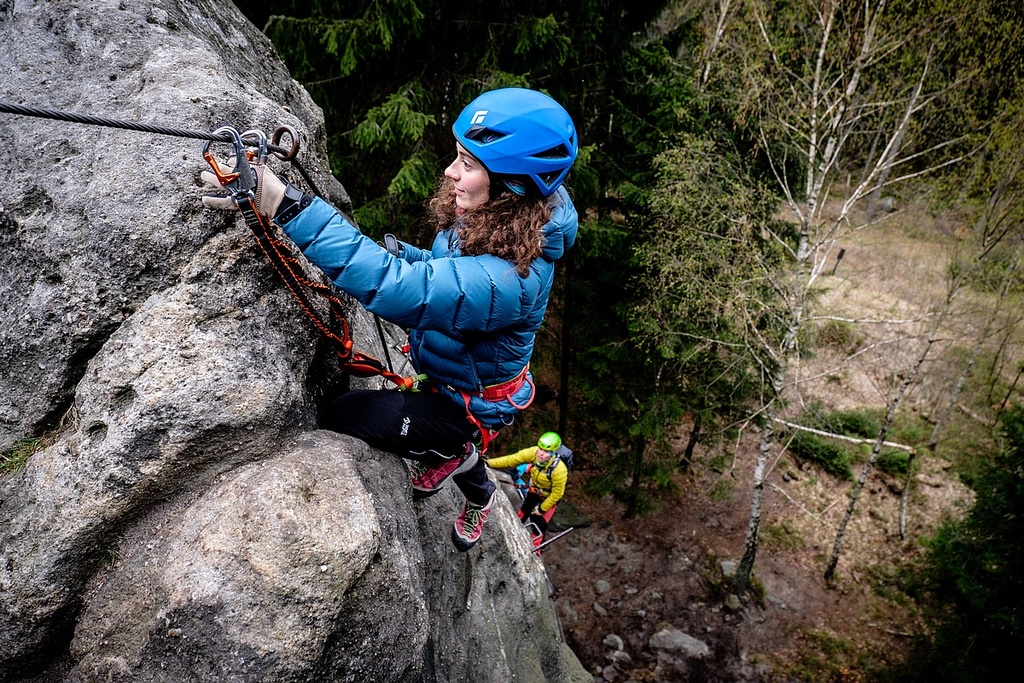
{"x": 473, "y": 514}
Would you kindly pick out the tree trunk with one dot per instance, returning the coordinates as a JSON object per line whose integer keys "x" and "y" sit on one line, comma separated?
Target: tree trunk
{"x": 709, "y": 50}
{"x": 1002, "y": 356}
{"x": 691, "y": 444}
{"x": 1009, "y": 392}
{"x": 741, "y": 579}
{"x": 566, "y": 347}
{"x": 940, "y": 422}
{"x": 633, "y": 506}
{"x": 905, "y": 497}
{"x": 837, "y": 547}
{"x": 1004, "y": 290}
{"x": 892, "y": 152}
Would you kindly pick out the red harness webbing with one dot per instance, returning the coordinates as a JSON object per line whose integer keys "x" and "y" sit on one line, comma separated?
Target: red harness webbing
{"x": 499, "y": 392}
{"x": 505, "y": 390}
{"x": 280, "y": 255}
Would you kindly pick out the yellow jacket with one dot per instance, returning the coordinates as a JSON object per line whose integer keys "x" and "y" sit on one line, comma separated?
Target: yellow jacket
{"x": 548, "y": 481}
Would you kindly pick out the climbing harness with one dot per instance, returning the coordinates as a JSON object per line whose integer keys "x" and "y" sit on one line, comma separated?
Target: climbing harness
{"x": 506, "y": 390}
{"x": 241, "y": 183}
{"x": 503, "y": 391}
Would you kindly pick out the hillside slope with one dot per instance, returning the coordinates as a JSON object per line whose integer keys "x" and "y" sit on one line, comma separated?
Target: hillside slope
{"x": 635, "y": 578}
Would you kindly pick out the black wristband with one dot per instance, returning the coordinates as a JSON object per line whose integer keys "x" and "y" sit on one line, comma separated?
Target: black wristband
{"x": 294, "y": 201}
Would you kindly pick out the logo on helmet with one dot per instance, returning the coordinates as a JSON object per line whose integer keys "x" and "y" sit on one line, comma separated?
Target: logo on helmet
{"x": 478, "y": 117}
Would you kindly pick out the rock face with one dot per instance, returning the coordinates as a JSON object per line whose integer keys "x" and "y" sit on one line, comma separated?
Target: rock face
{"x": 187, "y": 521}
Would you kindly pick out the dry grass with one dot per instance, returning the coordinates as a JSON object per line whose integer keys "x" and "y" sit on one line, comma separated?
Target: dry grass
{"x": 894, "y": 282}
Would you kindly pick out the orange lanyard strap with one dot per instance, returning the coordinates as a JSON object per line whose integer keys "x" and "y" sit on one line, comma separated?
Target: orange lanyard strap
{"x": 289, "y": 268}
{"x": 334, "y": 326}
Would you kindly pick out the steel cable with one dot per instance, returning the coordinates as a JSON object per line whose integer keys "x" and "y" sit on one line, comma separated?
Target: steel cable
{"x": 287, "y": 154}
{"x": 53, "y": 114}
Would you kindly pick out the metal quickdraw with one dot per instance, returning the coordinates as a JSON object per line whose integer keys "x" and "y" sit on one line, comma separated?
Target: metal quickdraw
{"x": 242, "y": 183}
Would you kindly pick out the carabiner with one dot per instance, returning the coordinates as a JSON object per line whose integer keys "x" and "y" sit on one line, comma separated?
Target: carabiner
{"x": 275, "y": 139}
{"x": 260, "y": 156}
{"x": 239, "y": 181}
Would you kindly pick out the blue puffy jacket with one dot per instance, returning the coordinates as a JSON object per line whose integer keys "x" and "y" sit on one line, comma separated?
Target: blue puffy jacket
{"x": 472, "y": 319}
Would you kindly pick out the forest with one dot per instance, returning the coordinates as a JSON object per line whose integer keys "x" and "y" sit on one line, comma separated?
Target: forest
{"x": 731, "y": 151}
{"x": 739, "y": 160}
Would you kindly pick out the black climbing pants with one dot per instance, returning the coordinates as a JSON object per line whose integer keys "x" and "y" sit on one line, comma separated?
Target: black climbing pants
{"x": 423, "y": 426}
{"x": 531, "y": 501}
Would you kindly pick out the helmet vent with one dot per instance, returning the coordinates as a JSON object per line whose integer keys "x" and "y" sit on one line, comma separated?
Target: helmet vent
{"x": 559, "y": 152}
{"x": 483, "y": 135}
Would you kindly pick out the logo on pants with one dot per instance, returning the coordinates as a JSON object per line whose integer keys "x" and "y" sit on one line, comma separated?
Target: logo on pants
{"x": 405, "y": 426}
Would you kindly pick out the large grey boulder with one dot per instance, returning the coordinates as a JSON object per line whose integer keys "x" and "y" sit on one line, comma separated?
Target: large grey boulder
{"x": 97, "y": 219}
{"x": 185, "y": 519}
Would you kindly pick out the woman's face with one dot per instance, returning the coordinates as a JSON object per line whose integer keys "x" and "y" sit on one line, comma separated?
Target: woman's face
{"x": 469, "y": 177}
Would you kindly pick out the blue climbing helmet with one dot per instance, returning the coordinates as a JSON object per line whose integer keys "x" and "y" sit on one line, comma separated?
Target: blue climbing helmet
{"x": 523, "y": 137}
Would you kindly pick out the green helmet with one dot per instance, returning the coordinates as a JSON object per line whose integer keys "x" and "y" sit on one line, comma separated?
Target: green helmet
{"x": 549, "y": 441}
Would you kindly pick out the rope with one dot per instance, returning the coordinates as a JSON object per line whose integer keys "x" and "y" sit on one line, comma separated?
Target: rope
{"x": 8, "y": 108}
{"x": 289, "y": 268}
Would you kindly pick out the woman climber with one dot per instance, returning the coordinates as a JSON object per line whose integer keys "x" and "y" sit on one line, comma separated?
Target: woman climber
{"x": 472, "y": 303}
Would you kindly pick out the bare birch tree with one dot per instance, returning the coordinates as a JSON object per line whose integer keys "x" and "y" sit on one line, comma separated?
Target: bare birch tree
{"x": 890, "y": 413}
{"x": 1010, "y": 275}
{"x": 997, "y": 235}
{"x": 814, "y": 63}
{"x": 716, "y": 32}
{"x": 992, "y": 229}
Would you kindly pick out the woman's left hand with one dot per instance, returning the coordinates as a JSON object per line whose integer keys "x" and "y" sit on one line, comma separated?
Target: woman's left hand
{"x": 269, "y": 190}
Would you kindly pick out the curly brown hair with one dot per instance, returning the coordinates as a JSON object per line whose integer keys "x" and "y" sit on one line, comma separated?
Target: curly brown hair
{"x": 507, "y": 226}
